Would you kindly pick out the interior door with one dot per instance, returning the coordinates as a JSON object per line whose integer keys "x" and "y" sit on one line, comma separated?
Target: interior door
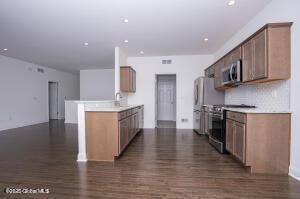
{"x": 166, "y": 99}
{"x": 53, "y": 100}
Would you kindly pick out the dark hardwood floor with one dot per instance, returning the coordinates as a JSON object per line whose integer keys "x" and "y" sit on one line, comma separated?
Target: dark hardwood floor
{"x": 166, "y": 163}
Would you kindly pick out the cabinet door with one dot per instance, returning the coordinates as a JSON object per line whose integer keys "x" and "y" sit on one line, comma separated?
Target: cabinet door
{"x": 133, "y": 81}
{"x": 227, "y": 61}
{"x": 239, "y": 141}
{"x": 217, "y": 75}
{"x": 136, "y": 123}
{"x": 218, "y": 80}
{"x": 260, "y": 55}
{"x": 130, "y": 79}
{"x": 236, "y": 55}
{"x": 123, "y": 134}
{"x": 247, "y": 61}
{"x": 229, "y": 135}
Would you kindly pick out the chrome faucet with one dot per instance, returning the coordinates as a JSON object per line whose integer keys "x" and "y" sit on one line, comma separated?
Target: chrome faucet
{"x": 116, "y": 98}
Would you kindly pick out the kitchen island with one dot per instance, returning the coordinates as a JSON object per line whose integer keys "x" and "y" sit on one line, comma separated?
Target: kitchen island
{"x": 104, "y": 130}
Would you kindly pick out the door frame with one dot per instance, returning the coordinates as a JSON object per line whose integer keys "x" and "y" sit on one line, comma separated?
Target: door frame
{"x": 57, "y": 101}
{"x": 156, "y": 95}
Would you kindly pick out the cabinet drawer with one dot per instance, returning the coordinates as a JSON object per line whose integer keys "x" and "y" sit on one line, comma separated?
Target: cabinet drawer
{"x": 122, "y": 115}
{"x": 239, "y": 117}
{"x": 129, "y": 112}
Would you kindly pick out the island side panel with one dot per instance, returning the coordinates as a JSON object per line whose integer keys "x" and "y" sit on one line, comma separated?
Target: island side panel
{"x": 101, "y": 135}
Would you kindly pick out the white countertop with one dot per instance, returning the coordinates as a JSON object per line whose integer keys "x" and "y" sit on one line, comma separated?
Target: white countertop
{"x": 93, "y": 101}
{"x": 255, "y": 110}
{"x": 110, "y": 109}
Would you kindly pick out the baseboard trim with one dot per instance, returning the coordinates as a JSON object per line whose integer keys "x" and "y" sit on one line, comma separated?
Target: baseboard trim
{"x": 294, "y": 173}
{"x": 81, "y": 157}
{"x": 20, "y": 125}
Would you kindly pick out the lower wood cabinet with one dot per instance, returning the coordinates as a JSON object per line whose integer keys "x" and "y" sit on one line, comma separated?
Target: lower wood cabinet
{"x": 123, "y": 133}
{"x": 229, "y": 136}
{"x": 260, "y": 141}
{"x": 239, "y": 141}
{"x": 128, "y": 128}
{"x": 108, "y": 133}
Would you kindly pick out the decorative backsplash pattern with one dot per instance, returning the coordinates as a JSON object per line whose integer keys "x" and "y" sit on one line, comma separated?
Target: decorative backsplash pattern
{"x": 267, "y": 96}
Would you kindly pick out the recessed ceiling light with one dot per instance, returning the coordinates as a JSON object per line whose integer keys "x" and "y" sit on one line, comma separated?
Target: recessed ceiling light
{"x": 5, "y": 49}
{"x": 231, "y": 2}
{"x": 126, "y": 41}
{"x": 126, "y": 20}
{"x": 205, "y": 39}
{"x": 141, "y": 52}
{"x": 86, "y": 43}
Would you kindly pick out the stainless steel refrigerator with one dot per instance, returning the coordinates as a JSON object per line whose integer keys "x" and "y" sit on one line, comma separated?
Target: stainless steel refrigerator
{"x": 205, "y": 94}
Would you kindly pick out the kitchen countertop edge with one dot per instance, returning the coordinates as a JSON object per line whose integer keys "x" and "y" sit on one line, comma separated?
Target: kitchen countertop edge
{"x": 112, "y": 109}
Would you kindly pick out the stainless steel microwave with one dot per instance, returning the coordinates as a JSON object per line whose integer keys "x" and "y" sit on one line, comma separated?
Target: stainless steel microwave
{"x": 232, "y": 75}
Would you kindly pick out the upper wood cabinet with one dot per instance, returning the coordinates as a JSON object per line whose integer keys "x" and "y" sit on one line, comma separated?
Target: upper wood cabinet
{"x": 266, "y": 54}
{"x": 218, "y": 74}
{"x": 210, "y": 71}
{"x": 127, "y": 79}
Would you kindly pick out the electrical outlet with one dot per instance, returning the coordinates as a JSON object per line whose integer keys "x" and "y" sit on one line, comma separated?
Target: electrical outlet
{"x": 184, "y": 120}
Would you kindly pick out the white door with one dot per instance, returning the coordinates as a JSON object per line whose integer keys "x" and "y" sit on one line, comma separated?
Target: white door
{"x": 53, "y": 100}
{"x": 166, "y": 97}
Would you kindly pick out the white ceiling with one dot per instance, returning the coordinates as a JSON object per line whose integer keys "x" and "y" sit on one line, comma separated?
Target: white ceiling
{"x": 52, "y": 32}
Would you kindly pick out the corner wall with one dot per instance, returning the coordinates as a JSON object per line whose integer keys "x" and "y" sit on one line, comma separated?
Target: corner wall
{"x": 280, "y": 11}
{"x": 24, "y": 92}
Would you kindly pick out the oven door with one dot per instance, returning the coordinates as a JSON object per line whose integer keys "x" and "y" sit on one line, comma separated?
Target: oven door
{"x": 216, "y": 133}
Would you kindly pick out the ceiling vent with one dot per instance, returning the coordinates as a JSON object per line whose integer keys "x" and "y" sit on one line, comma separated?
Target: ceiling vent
{"x": 40, "y": 70}
{"x": 166, "y": 61}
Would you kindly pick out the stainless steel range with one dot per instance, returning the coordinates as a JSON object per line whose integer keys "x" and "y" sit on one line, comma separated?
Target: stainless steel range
{"x": 217, "y": 133}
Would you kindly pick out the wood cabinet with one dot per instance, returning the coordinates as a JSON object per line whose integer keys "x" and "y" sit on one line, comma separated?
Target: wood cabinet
{"x": 239, "y": 140}
{"x": 123, "y": 133}
{"x": 108, "y": 133}
{"x": 218, "y": 80}
{"x": 235, "y": 139}
{"x": 266, "y": 54}
{"x": 259, "y": 140}
{"x": 229, "y": 136}
{"x": 210, "y": 71}
{"x": 127, "y": 79}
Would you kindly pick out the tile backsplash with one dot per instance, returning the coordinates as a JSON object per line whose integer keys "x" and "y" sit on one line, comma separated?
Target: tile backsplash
{"x": 268, "y": 96}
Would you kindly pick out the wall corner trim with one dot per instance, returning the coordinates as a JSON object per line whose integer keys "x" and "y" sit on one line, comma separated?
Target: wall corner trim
{"x": 294, "y": 172}
{"x": 81, "y": 157}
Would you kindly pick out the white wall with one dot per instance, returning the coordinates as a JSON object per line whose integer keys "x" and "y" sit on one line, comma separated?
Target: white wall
{"x": 24, "y": 92}
{"x": 187, "y": 68}
{"x": 120, "y": 60}
{"x": 97, "y": 84}
{"x": 71, "y": 113}
{"x": 280, "y": 11}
